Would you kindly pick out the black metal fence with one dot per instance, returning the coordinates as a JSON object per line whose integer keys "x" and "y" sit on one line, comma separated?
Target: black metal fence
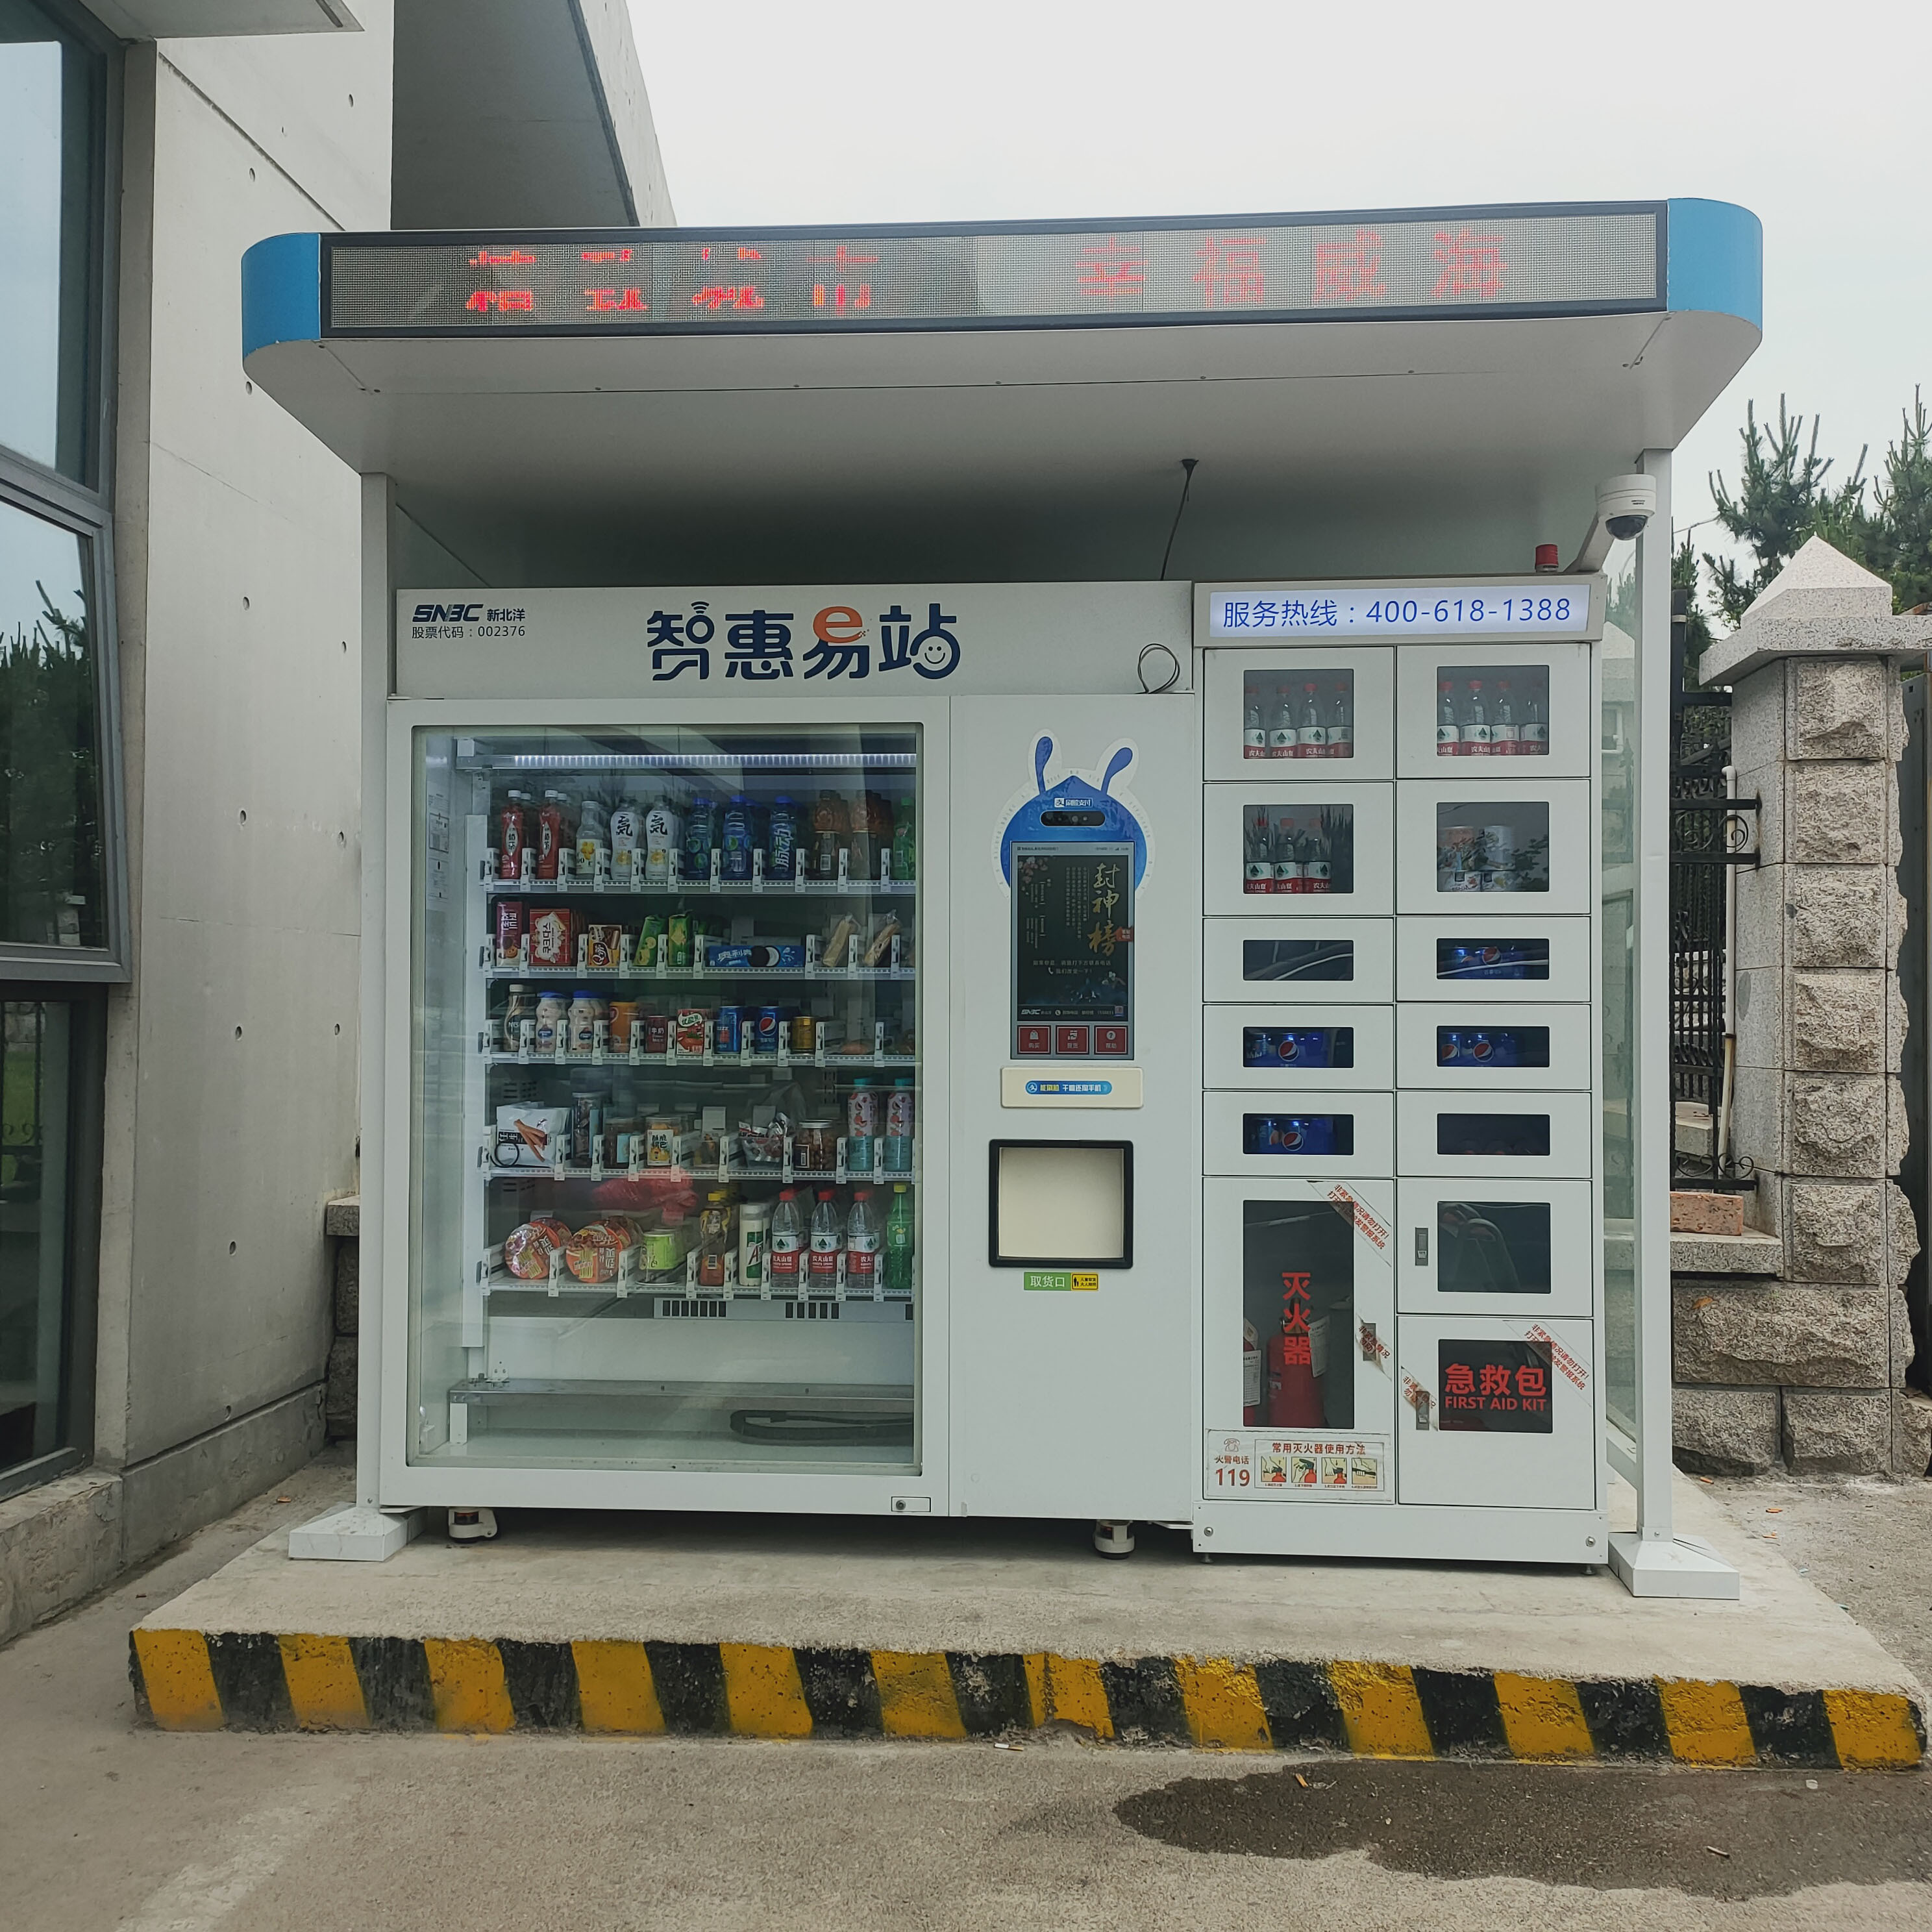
{"x": 1706, "y": 840}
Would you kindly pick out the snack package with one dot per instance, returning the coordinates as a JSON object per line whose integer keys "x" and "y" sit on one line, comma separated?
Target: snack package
{"x": 606, "y": 950}
{"x": 528, "y": 1136}
{"x": 592, "y": 1253}
{"x": 553, "y": 937}
{"x": 881, "y": 945}
{"x": 527, "y": 1250}
{"x": 832, "y": 956}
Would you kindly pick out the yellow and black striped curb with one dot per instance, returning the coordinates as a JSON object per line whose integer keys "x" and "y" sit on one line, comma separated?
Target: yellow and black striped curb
{"x": 194, "y": 1681}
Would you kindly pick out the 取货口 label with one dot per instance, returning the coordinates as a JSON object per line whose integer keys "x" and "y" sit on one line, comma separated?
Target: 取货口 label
{"x": 1499, "y": 1386}
{"x": 1061, "y": 1279}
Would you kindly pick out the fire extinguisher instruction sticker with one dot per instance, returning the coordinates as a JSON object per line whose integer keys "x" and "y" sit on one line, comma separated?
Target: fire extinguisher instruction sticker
{"x": 1268, "y": 1463}
{"x": 1496, "y": 1386}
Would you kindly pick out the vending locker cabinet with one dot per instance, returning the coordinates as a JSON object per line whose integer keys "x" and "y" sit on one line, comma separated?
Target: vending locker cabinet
{"x": 1519, "y": 709}
{"x": 1333, "y": 1130}
{"x": 1488, "y": 959}
{"x": 1498, "y": 1245}
{"x": 1493, "y": 845}
{"x": 1304, "y": 850}
{"x": 1508, "y": 1422}
{"x": 1268, "y": 958}
{"x": 1300, "y": 711}
{"x": 1540, "y": 1133}
{"x": 1298, "y": 1357}
{"x": 1282, "y": 1049}
{"x": 1476, "y": 1049}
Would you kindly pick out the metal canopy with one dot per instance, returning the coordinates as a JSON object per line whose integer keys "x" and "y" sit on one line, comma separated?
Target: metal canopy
{"x": 1019, "y": 452}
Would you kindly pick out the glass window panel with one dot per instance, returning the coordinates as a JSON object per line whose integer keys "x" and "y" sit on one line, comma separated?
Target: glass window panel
{"x": 1271, "y": 961}
{"x": 36, "y": 1040}
{"x": 1492, "y": 959}
{"x": 1298, "y": 1311}
{"x": 1506, "y": 1136}
{"x": 1298, "y": 1136}
{"x": 1474, "y": 1048}
{"x": 51, "y": 865}
{"x": 1492, "y": 846}
{"x": 1499, "y": 711}
{"x": 1307, "y": 714}
{"x": 1298, "y": 849}
{"x": 1297, "y": 1047}
{"x": 52, "y": 92}
{"x": 1493, "y": 1247}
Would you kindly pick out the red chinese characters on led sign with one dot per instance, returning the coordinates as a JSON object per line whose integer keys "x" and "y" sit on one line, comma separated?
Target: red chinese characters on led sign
{"x": 1472, "y": 266}
{"x": 1496, "y": 1386}
{"x": 1230, "y": 275}
{"x": 505, "y": 301}
{"x": 597, "y": 301}
{"x": 1350, "y": 271}
{"x": 1112, "y": 271}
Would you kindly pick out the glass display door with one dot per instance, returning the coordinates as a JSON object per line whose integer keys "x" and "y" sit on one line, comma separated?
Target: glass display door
{"x": 1300, "y": 1381}
{"x": 666, "y": 1097}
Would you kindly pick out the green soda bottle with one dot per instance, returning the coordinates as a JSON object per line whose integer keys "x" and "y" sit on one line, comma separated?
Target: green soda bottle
{"x": 905, "y": 839}
{"x": 898, "y": 1241}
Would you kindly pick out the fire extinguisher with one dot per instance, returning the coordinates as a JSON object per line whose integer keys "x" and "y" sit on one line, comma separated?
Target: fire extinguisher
{"x": 1294, "y": 1394}
{"x": 1251, "y": 1376}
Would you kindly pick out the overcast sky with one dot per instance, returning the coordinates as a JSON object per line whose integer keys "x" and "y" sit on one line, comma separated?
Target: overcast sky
{"x": 1813, "y": 116}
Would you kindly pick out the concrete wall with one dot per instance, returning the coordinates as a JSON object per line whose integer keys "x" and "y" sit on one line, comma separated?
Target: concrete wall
{"x": 232, "y": 1075}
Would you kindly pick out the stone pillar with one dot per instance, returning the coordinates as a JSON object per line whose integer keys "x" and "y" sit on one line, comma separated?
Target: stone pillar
{"x": 1819, "y": 1353}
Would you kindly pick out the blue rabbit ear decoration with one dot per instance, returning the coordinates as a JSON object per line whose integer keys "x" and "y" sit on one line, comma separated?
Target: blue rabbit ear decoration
{"x": 1073, "y": 792}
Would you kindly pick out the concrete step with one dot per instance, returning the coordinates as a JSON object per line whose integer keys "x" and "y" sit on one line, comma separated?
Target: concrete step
{"x": 942, "y": 1628}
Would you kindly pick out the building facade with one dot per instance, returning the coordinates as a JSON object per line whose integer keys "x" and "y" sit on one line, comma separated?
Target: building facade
{"x": 180, "y": 869}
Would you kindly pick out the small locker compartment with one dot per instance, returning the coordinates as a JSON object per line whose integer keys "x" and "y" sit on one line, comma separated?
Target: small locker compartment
{"x": 1496, "y": 1246}
{"x": 1522, "y": 710}
{"x": 1301, "y": 962}
{"x": 1274, "y": 713}
{"x": 1479, "y": 1048}
{"x": 1499, "y": 1413}
{"x": 1291, "y": 850}
{"x": 1494, "y": 845}
{"x": 1493, "y": 961}
{"x": 1470, "y": 1135}
{"x": 1297, "y": 1357}
{"x": 1330, "y": 1130}
{"x": 1284, "y": 1048}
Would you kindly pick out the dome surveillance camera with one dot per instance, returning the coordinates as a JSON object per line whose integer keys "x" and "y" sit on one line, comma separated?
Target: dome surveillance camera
{"x": 1624, "y": 504}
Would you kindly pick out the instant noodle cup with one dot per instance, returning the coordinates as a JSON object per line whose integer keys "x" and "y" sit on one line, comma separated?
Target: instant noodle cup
{"x": 527, "y": 1250}
{"x": 593, "y": 1252}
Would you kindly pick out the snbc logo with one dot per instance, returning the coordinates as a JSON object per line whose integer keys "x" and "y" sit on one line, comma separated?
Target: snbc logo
{"x": 448, "y": 613}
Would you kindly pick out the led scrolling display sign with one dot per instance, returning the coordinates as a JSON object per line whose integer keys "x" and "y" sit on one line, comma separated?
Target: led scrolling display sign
{"x": 1447, "y": 262}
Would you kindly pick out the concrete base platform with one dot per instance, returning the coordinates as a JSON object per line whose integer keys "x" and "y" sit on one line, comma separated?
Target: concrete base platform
{"x": 780, "y": 1627}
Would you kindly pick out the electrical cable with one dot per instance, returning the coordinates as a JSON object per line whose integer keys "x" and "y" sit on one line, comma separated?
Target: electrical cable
{"x": 1187, "y": 463}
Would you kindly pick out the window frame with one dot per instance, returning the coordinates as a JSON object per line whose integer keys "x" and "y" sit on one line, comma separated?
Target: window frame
{"x": 87, "y": 511}
{"x": 87, "y": 1072}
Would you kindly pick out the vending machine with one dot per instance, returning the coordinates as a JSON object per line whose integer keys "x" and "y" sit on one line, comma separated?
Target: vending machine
{"x": 1401, "y": 1275}
{"x": 791, "y": 1068}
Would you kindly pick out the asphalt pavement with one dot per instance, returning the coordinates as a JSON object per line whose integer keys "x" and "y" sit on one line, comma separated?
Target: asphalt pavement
{"x": 106, "y": 1824}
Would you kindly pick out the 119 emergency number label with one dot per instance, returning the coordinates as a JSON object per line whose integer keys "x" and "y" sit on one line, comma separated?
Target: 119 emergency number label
{"x": 1248, "y": 1464}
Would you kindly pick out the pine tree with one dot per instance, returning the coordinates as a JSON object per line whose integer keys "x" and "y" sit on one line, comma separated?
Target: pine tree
{"x": 1898, "y": 541}
{"x": 1782, "y": 499}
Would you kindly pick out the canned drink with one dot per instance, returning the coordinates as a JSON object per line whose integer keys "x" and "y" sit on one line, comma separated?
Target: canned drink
{"x": 677, "y": 938}
{"x": 1257, "y": 1046}
{"x": 586, "y": 1125}
{"x": 1482, "y": 1050}
{"x": 1448, "y": 1047}
{"x": 727, "y": 1033}
{"x": 657, "y": 1033}
{"x": 804, "y": 1034}
{"x": 650, "y": 941}
{"x": 766, "y": 1040}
